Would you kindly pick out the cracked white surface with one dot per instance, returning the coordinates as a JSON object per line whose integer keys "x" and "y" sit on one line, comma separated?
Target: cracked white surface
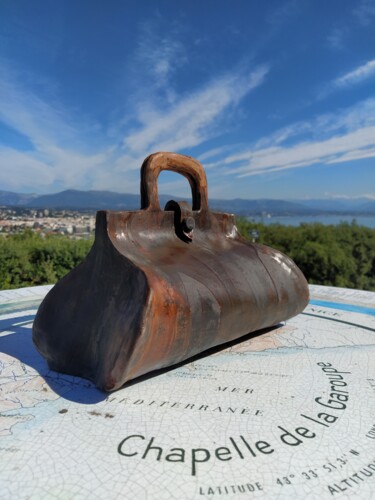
{"x": 59, "y": 435}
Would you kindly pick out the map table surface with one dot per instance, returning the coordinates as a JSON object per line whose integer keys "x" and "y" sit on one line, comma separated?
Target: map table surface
{"x": 288, "y": 413}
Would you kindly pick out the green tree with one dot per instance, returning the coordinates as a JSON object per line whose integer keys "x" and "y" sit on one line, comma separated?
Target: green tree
{"x": 342, "y": 255}
{"x": 27, "y": 259}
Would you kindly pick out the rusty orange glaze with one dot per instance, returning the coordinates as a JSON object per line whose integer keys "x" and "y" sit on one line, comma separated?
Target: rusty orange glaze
{"x": 150, "y": 294}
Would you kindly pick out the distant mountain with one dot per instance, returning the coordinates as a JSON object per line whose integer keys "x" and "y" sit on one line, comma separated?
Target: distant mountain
{"x": 254, "y": 207}
{"x": 101, "y": 200}
{"x": 96, "y": 200}
{"x": 368, "y": 207}
{"x": 344, "y": 205}
{"x": 8, "y": 198}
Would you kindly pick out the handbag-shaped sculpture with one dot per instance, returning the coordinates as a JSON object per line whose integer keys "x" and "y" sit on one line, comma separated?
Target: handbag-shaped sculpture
{"x": 160, "y": 286}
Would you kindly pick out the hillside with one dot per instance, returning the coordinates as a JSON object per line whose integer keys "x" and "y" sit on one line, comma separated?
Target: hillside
{"x": 100, "y": 200}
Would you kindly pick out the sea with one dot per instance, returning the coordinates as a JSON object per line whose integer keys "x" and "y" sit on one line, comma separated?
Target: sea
{"x": 296, "y": 220}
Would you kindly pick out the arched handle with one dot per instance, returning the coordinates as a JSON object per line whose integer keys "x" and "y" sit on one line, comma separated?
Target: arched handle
{"x": 181, "y": 164}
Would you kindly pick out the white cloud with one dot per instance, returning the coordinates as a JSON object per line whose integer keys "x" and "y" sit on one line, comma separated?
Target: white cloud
{"x": 73, "y": 168}
{"x": 357, "y": 154}
{"x": 159, "y": 54}
{"x": 357, "y": 75}
{"x": 336, "y": 38}
{"x": 30, "y": 115}
{"x": 348, "y": 135}
{"x": 189, "y": 122}
{"x": 21, "y": 170}
{"x": 58, "y": 155}
{"x": 365, "y": 11}
{"x": 348, "y": 80}
{"x": 347, "y": 197}
{"x": 283, "y": 13}
{"x": 337, "y": 149}
{"x": 212, "y": 153}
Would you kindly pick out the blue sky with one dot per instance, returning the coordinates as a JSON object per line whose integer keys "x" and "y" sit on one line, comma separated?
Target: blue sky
{"x": 276, "y": 98}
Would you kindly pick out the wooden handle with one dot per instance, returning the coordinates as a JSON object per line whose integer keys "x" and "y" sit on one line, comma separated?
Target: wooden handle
{"x": 184, "y": 165}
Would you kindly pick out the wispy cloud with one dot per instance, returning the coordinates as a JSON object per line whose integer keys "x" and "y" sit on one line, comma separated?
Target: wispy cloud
{"x": 348, "y": 80}
{"x": 158, "y": 54}
{"x": 191, "y": 120}
{"x": 280, "y": 16}
{"x": 336, "y": 38}
{"x": 342, "y": 137}
{"x": 356, "y": 154}
{"x": 164, "y": 118}
{"x": 59, "y": 156}
{"x": 215, "y": 152}
{"x": 357, "y": 75}
{"x": 29, "y": 114}
{"x": 337, "y": 149}
{"x": 367, "y": 196}
{"x": 362, "y": 14}
{"x": 365, "y": 11}
{"x": 20, "y": 170}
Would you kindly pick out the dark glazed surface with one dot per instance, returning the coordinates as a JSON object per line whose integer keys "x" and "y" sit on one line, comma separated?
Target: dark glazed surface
{"x": 161, "y": 286}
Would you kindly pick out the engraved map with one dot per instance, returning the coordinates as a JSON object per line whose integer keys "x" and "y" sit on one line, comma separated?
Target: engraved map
{"x": 284, "y": 413}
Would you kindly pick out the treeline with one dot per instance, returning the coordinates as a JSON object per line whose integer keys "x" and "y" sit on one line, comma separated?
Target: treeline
{"x": 342, "y": 255}
{"x": 27, "y": 259}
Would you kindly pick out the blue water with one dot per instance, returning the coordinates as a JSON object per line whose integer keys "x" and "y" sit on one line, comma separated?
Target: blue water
{"x": 344, "y": 307}
{"x": 296, "y": 220}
